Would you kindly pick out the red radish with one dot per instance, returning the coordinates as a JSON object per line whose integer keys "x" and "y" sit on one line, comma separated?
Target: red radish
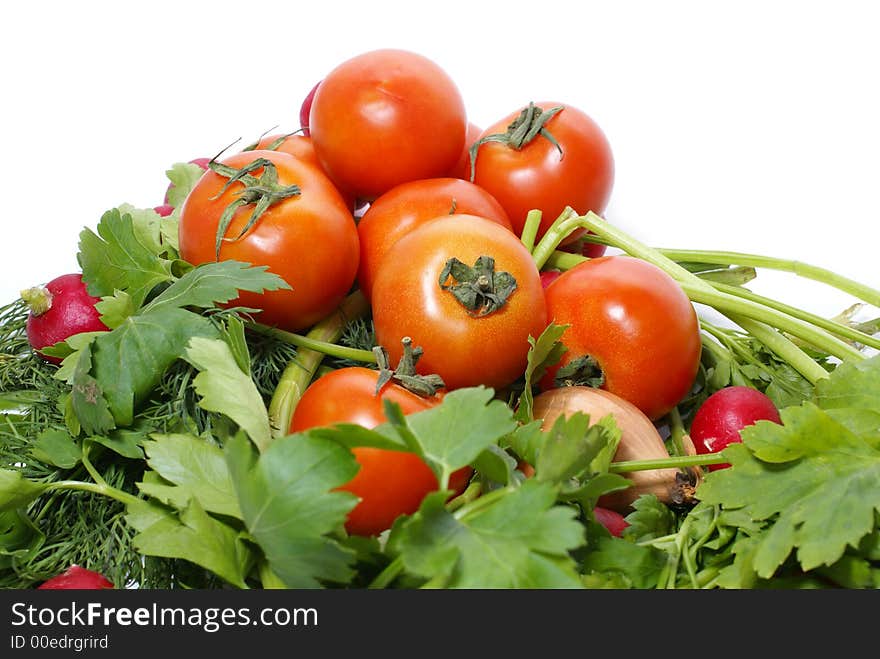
{"x": 306, "y": 108}
{"x": 201, "y": 162}
{"x": 585, "y": 248}
{"x": 77, "y": 578}
{"x": 164, "y": 210}
{"x": 722, "y": 415}
{"x": 58, "y": 310}
{"x": 611, "y": 520}
{"x": 548, "y": 276}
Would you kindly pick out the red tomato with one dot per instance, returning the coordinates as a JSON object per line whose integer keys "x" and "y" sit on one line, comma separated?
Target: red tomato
{"x": 462, "y": 347}
{"x": 636, "y": 322}
{"x": 389, "y": 483}
{"x": 386, "y": 117}
{"x": 309, "y": 239}
{"x": 411, "y": 204}
{"x": 301, "y": 147}
{"x": 462, "y": 168}
{"x": 721, "y": 417}
{"x": 538, "y": 176}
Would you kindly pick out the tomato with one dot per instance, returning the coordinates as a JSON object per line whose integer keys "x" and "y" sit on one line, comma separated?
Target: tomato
{"x": 386, "y": 117}
{"x": 465, "y": 347}
{"x": 309, "y": 239}
{"x": 538, "y": 176}
{"x": 636, "y": 323}
{"x": 462, "y": 168}
{"x": 721, "y": 417}
{"x": 411, "y": 204}
{"x": 389, "y": 483}
{"x": 301, "y": 147}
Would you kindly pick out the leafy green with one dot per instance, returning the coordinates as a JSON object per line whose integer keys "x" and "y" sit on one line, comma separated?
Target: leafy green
{"x": 130, "y": 360}
{"x": 522, "y": 540}
{"x": 452, "y": 434}
{"x": 193, "y": 535}
{"x": 190, "y": 468}
{"x": 851, "y": 385}
{"x": 56, "y": 447}
{"x": 115, "y": 258}
{"x": 225, "y": 388}
{"x": 16, "y": 490}
{"x": 289, "y": 505}
{"x": 812, "y": 476}
{"x": 545, "y": 351}
{"x": 182, "y": 176}
{"x": 210, "y": 284}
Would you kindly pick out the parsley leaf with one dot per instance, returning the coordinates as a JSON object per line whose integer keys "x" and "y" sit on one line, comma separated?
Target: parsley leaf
{"x": 521, "y": 540}
{"x": 288, "y": 499}
{"x": 226, "y": 389}
{"x": 116, "y": 259}
{"x": 813, "y": 478}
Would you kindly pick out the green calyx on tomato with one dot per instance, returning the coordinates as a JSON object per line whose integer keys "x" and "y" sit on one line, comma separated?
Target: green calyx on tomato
{"x": 527, "y": 126}
{"x": 405, "y": 374}
{"x": 262, "y": 192}
{"x": 583, "y": 371}
{"x": 479, "y": 289}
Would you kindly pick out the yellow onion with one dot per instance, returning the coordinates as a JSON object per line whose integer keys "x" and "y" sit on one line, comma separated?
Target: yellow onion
{"x": 639, "y": 440}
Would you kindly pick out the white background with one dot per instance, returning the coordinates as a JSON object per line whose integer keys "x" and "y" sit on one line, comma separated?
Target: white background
{"x": 749, "y": 126}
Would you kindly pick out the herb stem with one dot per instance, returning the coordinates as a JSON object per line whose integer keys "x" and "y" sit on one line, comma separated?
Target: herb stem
{"x": 750, "y": 315}
{"x": 841, "y": 330}
{"x": 806, "y": 270}
{"x": 530, "y": 229}
{"x": 95, "y": 488}
{"x": 299, "y": 372}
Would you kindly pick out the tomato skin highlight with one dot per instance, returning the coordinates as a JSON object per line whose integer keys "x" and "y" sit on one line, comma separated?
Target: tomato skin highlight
{"x": 385, "y": 117}
{"x": 71, "y": 311}
{"x": 539, "y": 177}
{"x": 310, "y": 239}
{"x": 463, "y": 350}
{"x": 389, "y": 483}
{"x": 411, "y": 204}
{"x": 721, "y": 417}
{"x": 636, "y": 322}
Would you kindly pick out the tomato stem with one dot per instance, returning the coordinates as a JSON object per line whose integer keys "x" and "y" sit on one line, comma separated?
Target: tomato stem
{"x": 299, "y": 372}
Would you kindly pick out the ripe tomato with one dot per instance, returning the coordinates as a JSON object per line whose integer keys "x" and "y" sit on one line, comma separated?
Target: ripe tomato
{"x": 301, "y": 147}
{"x": 462, "y": 168}
{"x": 389, "y": 483}
{"x": 466, "y": 347}
{"x": 309, "y": 239}
{"x": 538, "y": 176}
{"x": 411, "y": 204}
{"x": 386, "y": 117}
{"x": 636, "y": 322}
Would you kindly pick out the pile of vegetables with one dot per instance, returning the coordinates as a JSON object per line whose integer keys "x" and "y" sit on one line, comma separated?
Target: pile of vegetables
{"x": 391, "y": 349}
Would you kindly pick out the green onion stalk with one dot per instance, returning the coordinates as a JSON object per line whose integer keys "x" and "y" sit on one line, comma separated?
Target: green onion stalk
{"x": 773, "y": 323}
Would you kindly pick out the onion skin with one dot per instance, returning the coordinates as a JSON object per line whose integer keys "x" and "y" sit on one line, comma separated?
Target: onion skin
{"x": 639, "y": 440}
